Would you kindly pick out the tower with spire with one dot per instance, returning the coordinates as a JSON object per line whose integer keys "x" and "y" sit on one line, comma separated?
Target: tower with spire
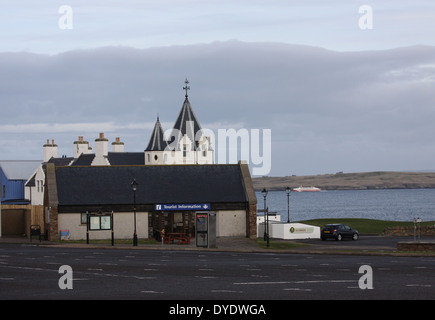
{"x": 187, "y": 143}
{"x": 155, "y": 153}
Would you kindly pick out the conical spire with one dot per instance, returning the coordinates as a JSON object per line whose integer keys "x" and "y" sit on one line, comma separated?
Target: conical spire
{"x": 186, "y": 123}
{"x": 157, "y": 141}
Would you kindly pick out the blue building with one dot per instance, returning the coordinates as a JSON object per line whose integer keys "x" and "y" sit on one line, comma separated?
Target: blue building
{"x": 13, "y": 177}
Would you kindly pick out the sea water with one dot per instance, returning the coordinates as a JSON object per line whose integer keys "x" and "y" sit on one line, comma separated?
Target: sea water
{"x": 388, "y": 204}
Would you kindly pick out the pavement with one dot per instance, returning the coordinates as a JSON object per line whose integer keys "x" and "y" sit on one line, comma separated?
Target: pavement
{"x": 366, "y": 245}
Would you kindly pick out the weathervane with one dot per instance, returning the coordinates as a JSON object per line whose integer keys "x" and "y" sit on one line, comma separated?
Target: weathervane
{"x": 186, "y": 88}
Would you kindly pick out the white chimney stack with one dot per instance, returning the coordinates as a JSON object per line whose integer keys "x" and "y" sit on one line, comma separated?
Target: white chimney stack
{"x": 101, "y": 151}
{"x": 80, "y": 146}
{"x": 117, "y": 146}
{"x": 49, "y": 150}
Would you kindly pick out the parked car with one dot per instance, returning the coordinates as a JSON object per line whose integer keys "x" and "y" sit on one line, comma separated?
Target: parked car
{"x": 338, "y": 232}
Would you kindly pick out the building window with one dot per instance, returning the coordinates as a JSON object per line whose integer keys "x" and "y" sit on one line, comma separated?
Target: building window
{"x": 84, "y": 218}
{"x": 4, "y": 191}
{"x": 185, "y": 151}
{"x": 149, "y": 158}
{"x": 204, "y": 150}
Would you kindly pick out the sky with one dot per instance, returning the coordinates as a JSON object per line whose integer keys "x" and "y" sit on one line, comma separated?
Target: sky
{"x": 342, "y": 85}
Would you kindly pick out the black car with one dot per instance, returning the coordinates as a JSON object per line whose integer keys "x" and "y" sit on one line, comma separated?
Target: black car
{"x": 338, "y": 232}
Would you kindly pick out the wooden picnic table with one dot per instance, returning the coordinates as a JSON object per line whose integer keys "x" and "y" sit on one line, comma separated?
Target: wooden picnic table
{"x": 180, "y": 237}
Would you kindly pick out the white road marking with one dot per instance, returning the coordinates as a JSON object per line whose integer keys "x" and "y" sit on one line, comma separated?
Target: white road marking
{"x": 419, "y": 285}
{"x": 293, "y": 282}
{"x": 297, "y": 289}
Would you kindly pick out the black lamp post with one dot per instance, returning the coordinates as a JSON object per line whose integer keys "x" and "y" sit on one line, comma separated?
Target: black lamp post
{"x": 134, "y": 185}
{"x": 266, "y": 220}
{"x": 288, "y": 190}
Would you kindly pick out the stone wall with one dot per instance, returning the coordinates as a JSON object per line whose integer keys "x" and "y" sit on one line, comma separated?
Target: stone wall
{"x": 409, "y": 231}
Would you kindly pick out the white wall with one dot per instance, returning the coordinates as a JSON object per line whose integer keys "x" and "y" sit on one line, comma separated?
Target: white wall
{"x": 36, "y": 193}
{"x": 290, "y": 231}
{"x": 228, "y": 224}
{"x": 192, "y": 157}
{"x": 123, "y": 226}
{"x": 231, "y": 223}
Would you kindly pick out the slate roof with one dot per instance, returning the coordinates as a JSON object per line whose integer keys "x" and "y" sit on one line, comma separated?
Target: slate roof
{"x": 115, "y": 159}
{"x": 31, "y": 182}
{"x": 84, "y": 160}
{"x": 63, "y": 161}
{"x": 186, "y": 124}
{"x": 111, "y": 185}
{"x": 157, "y": 140}
{"x": 126, "y": 158}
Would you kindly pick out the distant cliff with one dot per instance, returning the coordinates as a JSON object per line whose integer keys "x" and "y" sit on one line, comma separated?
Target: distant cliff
{"x": 351, "y": 181}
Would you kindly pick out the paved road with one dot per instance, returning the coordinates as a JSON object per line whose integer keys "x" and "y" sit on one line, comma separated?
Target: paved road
{"x": 368, "y": 242}
{"x": 32, "y": 272}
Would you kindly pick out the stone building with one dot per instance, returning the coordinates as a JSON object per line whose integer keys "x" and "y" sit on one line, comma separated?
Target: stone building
{"x": 73, "y": 192}
{"x": 176, "y": 176}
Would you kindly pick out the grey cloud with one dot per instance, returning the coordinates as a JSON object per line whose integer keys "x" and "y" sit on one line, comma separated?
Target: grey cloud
{"x": 342, "y": 106}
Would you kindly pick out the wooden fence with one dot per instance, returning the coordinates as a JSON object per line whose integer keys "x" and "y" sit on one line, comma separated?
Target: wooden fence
{"x": 17, "y": 219}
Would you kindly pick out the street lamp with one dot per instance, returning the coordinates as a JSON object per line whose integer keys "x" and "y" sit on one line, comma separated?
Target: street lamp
{"x": 266, "y": 220}
{"x": 288, "y": 190}
{"x": 134, "y": 185}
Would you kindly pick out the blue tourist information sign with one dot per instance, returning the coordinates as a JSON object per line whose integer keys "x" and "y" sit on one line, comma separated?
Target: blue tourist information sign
{"x": 182, "y": 206}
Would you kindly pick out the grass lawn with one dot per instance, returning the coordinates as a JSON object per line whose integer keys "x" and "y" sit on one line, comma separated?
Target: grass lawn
{"x": 365, "y": 225}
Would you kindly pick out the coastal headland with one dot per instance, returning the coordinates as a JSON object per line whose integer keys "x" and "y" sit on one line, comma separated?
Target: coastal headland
{"x": 351, "y": 181}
